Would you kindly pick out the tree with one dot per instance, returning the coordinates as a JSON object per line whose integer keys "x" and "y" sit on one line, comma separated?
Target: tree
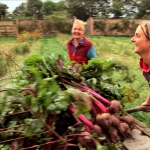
{"x": 60, "y": 6}
{"x": 60, "y": 10}
{"x": 116, "y": 10}
{"x": 20, "y": 10}
{"x": 34, "y": 9}
{"x": 87, "y": 8}
{"x": 48, "y": 7}
{"x": 51, "y": 9}
{"x": 102, "y": 7}
{"x": 3, "y": 8}
{"x": 130, "y": 8}
{"x": 143, "y": 10}
{"x": 124, "y": 8}
{"x": 76, "y": 8}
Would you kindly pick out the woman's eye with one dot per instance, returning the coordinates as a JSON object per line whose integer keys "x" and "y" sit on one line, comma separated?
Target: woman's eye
{"x": 137, "y": 35}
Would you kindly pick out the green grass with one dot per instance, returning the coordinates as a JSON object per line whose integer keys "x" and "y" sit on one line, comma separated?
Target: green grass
{"x": 51, "y": 45}
{"x": 7, "y": 39}
{"x": 120, "y": 48}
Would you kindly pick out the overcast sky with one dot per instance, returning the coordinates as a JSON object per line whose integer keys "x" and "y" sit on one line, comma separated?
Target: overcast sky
{"x": 12, "y": 4}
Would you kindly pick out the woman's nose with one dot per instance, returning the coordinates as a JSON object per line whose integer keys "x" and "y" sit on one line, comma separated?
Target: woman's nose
{"x": 132, "y": 39}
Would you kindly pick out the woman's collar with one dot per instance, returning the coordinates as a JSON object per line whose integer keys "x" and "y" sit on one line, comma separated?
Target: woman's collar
{"x": 144, "y": 67}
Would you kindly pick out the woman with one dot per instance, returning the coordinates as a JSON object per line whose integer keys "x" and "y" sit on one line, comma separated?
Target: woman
{"x": 141, "y": 39}
{"x": 80, "y": 49}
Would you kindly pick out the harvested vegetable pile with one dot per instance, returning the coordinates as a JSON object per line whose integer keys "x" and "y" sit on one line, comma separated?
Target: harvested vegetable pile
{"x": 55, "y": 105}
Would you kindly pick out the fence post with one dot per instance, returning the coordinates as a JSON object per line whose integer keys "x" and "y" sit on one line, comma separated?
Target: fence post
{"x": 90, "y": 24}
{"x": 16, "y": 25}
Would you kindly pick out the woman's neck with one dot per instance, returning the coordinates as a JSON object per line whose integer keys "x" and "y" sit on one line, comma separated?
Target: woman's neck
{"x": 146, "y": 57}
{"x": 77, "y": 41}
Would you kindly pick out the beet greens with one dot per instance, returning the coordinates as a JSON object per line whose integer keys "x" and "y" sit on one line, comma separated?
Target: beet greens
{"x": 54, "y": 101}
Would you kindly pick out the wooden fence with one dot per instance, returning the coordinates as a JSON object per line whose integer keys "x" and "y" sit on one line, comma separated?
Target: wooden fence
{"x": 107, "y": 27}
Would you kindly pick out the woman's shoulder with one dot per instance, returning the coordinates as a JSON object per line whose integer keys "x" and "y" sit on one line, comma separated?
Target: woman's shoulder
{"x": 87, "y": 41}
{"x": 69, "y": 41}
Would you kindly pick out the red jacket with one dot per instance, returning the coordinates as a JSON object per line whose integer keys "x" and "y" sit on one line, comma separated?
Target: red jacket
{"x": 79, "y": 54}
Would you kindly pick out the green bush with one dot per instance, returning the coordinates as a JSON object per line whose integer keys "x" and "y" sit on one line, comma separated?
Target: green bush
{"x": 3, "y": 65}
{"x": 47, "y": 27}
{"x": 26, "y": 36}
{"x": 17, "y": 49}
{"x": 63, "y": 26}
{"x": 25, "y": 48}
{"x": 21, "y": 48}
{"x": 100, "y": 25}
{"x": 125, "y": 24}
{"x": 117, "y": 27}
{"x": 28, "y": 26}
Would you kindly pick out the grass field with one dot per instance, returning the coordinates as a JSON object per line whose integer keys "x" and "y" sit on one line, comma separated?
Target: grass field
{"x": 120, "y": 48}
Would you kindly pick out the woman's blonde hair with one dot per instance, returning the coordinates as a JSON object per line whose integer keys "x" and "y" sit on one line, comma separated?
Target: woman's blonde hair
{"x": 80, "y": 23}
{"x": 146, "y": 28}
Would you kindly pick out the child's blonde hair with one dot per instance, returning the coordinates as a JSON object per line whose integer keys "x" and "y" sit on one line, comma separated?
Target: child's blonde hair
{"x": 80, "y": 23}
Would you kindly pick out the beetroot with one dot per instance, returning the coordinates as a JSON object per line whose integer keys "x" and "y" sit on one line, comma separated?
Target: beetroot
{"x": 98, "y": 130}
{"x": 104, "y": 120}
{"x": 113, "y": 133}
{"x": 86, "y": 140}
{"x": 124, "y": 129}
{"x": 114, "y": 106}
{"x": 115, "y": 120}
{"x": 128, "y": 119}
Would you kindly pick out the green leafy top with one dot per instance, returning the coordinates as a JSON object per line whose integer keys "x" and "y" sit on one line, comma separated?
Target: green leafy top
{"x": 40, "y": 91}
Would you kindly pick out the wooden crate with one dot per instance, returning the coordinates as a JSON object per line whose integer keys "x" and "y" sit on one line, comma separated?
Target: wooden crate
{"x": 139, "y": 139}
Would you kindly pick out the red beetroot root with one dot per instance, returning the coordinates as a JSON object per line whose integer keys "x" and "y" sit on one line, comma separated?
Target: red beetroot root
{"x": 87, "y": 141}
{"x": 124, "y": 129}
{"x": 128, "y": 119}
{"x": 114, "y": 106}
{"x": 104, "y": 120}
{"x": 113, "y": 133}
{"x": 115, "y": 120}
{"x": 98, "y": 130}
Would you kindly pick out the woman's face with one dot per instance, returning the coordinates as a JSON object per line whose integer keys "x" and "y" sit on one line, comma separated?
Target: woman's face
{"x": 77, "y": 31}
{"x": 142, "y": 43}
